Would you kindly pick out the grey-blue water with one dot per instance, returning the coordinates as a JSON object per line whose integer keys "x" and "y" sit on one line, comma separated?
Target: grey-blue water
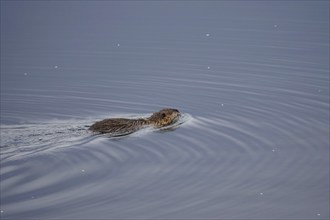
{"x": 250, "y": 77}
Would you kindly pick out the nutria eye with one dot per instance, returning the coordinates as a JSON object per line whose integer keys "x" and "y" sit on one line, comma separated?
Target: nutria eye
{"x": 163, "y": 115}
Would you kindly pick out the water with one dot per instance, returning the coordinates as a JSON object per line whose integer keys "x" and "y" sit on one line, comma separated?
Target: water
{"x": 251, "y": 78}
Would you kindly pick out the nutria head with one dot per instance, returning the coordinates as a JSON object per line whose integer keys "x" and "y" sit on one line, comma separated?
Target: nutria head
{"x": 164, "y": 117}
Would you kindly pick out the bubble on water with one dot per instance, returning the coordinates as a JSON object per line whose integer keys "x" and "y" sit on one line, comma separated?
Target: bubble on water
{"x": 55, "y": 67}
{"x": 82, "y": 170}
{"x": 273, "y": 150}
{"x": 318, "y": 214}
{"x": 1, "y": 211}
{"x": 261, "y": 193}
{"x": 208, "y": 67}
{"x": 222, "y": 104}
{"x": 275, "y": 25}
{"x": 207, "y": 35}
{"x": 25, "y": 74}
{"x": 118, "y": 45}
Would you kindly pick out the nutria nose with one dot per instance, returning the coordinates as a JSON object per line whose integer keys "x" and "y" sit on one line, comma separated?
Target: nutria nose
{"x": 177, "y": 112}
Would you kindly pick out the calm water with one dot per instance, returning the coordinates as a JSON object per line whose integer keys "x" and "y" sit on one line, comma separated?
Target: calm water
{"x": 251, "y": 78}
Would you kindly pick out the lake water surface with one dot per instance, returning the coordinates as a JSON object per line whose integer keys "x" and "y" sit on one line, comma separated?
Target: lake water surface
{"x": 251, "y": 79}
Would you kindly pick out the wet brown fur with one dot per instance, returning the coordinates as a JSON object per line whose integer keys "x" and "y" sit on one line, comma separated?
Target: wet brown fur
{"x": 122, "y": 126}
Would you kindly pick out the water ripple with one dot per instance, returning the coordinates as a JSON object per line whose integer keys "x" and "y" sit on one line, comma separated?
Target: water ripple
{"x": 255, "y": 129}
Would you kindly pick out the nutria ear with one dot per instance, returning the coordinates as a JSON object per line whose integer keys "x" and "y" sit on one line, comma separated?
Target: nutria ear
{"x": 163, "y": 115}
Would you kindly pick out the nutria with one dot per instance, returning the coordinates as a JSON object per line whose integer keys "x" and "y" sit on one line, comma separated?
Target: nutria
{"x": 123, "y": 126}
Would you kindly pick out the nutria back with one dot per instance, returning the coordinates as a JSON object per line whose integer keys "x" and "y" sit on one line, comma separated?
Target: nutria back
{"x": 123, "y": 126}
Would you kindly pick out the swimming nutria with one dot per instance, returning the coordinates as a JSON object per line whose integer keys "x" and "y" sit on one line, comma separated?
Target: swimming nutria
{"x": 122, "y": 126}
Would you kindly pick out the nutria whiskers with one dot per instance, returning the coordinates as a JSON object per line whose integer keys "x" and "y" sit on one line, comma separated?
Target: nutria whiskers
{"x": 122, "y": 126}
